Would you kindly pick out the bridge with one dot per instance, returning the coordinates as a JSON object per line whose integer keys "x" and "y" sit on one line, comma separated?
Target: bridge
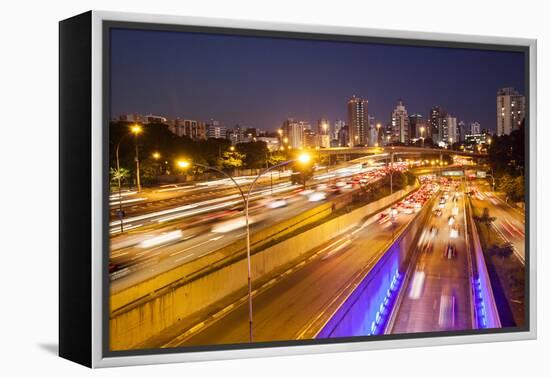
{"x": 397, "y": 150}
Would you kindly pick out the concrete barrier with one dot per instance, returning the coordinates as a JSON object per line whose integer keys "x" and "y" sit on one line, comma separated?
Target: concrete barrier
{"x": 145, "y": 317}
{"x": 365, "y": 308}
{"x": 486, "y": 310}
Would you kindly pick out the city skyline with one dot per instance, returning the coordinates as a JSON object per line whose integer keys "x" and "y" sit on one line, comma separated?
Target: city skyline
{"x": 383, "y": 223}
{"x": 273, "y": 84}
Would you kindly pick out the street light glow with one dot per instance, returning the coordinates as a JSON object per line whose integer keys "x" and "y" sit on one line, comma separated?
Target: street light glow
{"x": 156, "y": 155}
{"x": 304, "y": 158}
{"x": 184, "y": 164}
{"x": 136, "y": 129}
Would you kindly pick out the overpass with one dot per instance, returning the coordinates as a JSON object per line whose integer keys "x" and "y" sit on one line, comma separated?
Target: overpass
{"x": 397, "y": 150}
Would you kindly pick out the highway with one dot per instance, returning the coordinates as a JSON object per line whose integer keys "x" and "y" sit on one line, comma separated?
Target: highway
{"x": 168, "y": 238}
{"x": 140, "y": 260}
{"x": 284, "y": 307}
{"x": 509, "y": 221}
{"x": 172, "y": 195}
{"x": 437, "y": 296}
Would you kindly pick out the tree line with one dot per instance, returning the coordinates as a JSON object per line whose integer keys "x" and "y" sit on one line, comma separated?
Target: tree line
{"x": 507, "y": 157}
{"x": 160, "y": 149}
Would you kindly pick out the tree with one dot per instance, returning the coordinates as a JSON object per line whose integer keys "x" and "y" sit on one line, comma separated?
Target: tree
{"x": 121, "y": 174}
{"x": 519, "y": 189}
{"x": 276, "y": 158}
{"x": 149, "y": 171}
{"x": 486, "y": 220}
{"x": 255, "y": 154}
{"x": 232, "y": 160}
{"x": 513, "y": 187}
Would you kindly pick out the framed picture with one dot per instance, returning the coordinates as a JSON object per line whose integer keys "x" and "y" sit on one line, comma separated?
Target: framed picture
{"x": 233, "y": 189}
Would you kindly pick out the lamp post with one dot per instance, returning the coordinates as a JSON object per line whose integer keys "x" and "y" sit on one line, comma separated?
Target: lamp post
{"x": 391, "y": 173}
{"x": 304, "y": 159}
{"x": 156, "y": 156}
{"x": 267, "y": 158}
{"x": 135, "y": 130}
{"x": 422, "y": 135}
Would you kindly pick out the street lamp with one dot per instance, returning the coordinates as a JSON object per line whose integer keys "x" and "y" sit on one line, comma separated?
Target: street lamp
{"x": 422, "y": 135}
{"x": 135, "y": 130}
{"x": 156, "y": 156}
{"x": 304, "y": 158}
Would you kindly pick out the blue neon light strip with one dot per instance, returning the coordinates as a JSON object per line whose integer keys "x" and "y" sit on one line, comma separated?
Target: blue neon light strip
{"x": 381, "y": 317}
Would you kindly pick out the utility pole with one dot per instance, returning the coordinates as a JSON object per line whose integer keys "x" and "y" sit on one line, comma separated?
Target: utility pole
{"x": 391, "y": 173}
{"x": 138, "y": 182}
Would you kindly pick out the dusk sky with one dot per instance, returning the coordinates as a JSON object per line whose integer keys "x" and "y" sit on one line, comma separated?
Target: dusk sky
{"x": 260, "y": 82}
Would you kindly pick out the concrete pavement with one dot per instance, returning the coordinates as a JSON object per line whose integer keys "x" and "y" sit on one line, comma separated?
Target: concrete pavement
{"x": 437, "y": 295}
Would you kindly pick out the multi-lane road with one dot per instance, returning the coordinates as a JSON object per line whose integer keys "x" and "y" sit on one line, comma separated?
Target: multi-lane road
{"x": 284, "y": 308}
{"x": 509, "y": 221}
{"x": 437, "y": 295}
{"x": 159, "y": 240}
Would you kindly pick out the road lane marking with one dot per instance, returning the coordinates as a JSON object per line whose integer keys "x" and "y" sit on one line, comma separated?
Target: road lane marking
{"x": 185, "y": 257}
{"x": 196, "y": 245}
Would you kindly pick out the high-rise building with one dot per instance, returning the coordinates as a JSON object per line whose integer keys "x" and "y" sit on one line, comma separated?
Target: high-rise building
{"x": 195, "y": 130}
{"x": 293, "y": 133}
{"x": 323, "y": 133}
{"x": 323, "y": 127}
{"x": 357, "y": 121}
{"x": 150, "y": 118}
{"x": 310, "y": 139}
{"x": 437, "y": 124}
{"x": 463, "y": 129}
{"x": 400, "y": 124}
{"x": 373, "y": 133}
{"x": 475, "y": 128}
{"x": 343, "y": 136}
{"x": 215, "y": 130}
{"x": 510, "y": 110}
{"x": 338, "y": 125}
{"x": 235, "y": 135}
{"x": 418, "y": 127}
{"x": 453, "y": 135}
